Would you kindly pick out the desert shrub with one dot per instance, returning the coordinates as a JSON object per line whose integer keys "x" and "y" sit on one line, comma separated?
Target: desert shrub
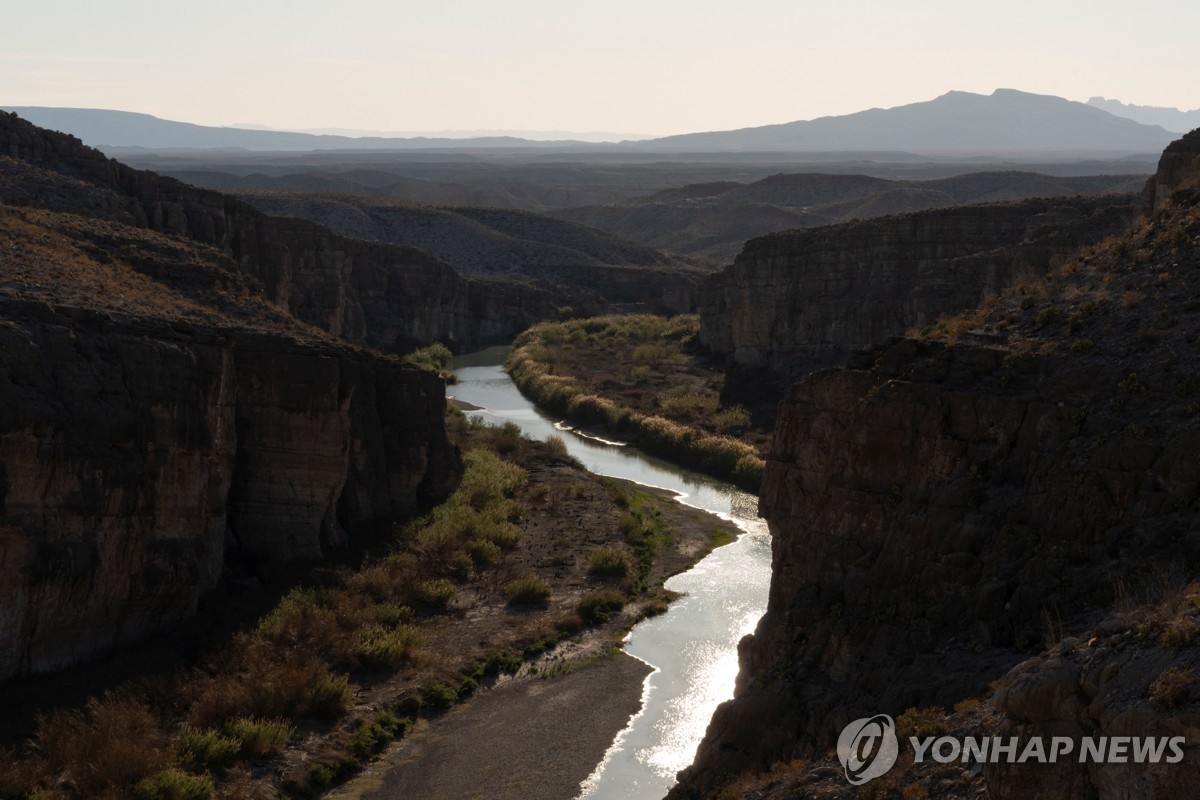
{"x": 599, "y": 607}
{"x": 748, "y": 472}
{"x": 174, "y": 784}
{"x": 439, "y": 696}
{"x": 502, "y": 661}
{"x": 721, "y": 454}
{"x": 378, "y": 647}
{"x": 371, "y": 737}
{"x": 966, "y": 706}
{"x": 654, "y": 351}
{"x": 731, "y": 420}
{"x": 329, "y": 768}
{"x": 300, "y": 619}
{"x": 528, "y": 590}
{"x": 610, "y": 561}
{"x": 589, "y": 408}
{"x": 921, "y": 722}
{"x": 1179, "y": 633}
{"x": 435, "y": 358}
{"x": 109, "y": 745}
{"x": 502, "y": 439}
{"x": 663, "y": 436}
{"x": 331, "y": 696}
{"x": 259, "y": 737}
{"x": 556, "y": 446}
{"x": 202, "y": 749}
{"x": 688, "y": 405}
{"x": 436, "y": 593}
{"x": 1173, "y": 686}
{"x": 387, "y": 614}
{"x": 1082, "y": 346}
{"x": 255, "y": 678}
{"x": 484, "y": 552}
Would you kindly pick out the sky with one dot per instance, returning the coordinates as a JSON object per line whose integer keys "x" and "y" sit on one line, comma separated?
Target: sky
{"x": 631, "y": 66}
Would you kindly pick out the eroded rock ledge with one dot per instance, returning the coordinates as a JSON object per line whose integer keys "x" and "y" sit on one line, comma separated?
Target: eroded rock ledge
{"x": 802, "y": 300}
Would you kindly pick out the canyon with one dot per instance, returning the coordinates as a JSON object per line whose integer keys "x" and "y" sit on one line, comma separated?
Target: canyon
{"x": 192, "y": 388}
{"x": 943, "y": 508}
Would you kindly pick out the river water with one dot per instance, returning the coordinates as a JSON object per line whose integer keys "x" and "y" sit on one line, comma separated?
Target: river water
{"x": 693, "y": 647}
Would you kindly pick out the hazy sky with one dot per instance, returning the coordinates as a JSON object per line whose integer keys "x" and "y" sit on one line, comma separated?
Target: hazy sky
{"x": 646, "y": 66}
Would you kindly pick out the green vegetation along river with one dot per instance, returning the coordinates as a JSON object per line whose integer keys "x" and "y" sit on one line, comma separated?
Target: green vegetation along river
{"x": 693, "y": 648}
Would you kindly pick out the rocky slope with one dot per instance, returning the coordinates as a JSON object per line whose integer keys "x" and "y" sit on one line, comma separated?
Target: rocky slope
{"x": 161, "y": 418}
{"x": 386, "y": 296}
{"x": 800, "y": 300}
{"x": 938, "y": 506}
{"x": 503, "y": 242}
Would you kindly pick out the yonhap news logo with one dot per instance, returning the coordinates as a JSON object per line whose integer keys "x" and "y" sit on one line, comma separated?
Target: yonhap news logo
{"x": 868, "y": 748}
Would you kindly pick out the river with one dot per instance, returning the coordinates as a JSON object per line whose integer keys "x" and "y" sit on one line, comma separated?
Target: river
{"x": 693, "y": 647}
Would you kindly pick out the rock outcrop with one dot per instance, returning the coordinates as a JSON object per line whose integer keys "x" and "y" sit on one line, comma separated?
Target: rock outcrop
{"x": 938, "y": 506}
{"x": 388, "y": 297}
{"x": 1133, "y": 676}
{"x": 801, "y": 300}
{"x": 160, "y": 418}
{"x": 1179, "y": 168}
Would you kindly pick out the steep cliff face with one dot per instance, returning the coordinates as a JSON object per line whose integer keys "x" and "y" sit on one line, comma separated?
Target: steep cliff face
{"x": 801, "y": 300}
{"x": 158, "y": 417}
{"x": 936, "y": 506}
{"x": 1179, "y": 168}
{"x": 385, "y": 296}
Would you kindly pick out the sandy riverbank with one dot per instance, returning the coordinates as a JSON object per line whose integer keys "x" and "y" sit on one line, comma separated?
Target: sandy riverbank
{"x": 533, "y": 738}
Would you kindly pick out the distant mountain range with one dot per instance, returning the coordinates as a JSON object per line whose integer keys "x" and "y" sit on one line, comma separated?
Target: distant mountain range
{"x": 1006, "y": 122}
{"x": 125, "y": 129}
{"x": 1171, "y": 119}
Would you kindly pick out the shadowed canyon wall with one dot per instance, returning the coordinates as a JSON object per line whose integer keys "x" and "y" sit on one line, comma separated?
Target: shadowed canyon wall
{"x": 161, "y": 416}
{"x": 802, "y": 300}
{"x": 936, "y": 506}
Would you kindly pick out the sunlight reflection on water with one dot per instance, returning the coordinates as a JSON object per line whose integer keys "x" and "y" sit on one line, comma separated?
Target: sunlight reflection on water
{"x": 693, "y": 647}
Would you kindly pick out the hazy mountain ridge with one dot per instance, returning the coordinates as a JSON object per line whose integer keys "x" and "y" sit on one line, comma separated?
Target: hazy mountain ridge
{"x": 110, "y": 128}
{"x": 1172, "y": 119}
{"x": 712, "y": 221}
{"x": 1005, "y": 121}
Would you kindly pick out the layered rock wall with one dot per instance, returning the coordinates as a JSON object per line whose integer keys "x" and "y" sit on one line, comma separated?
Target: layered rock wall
{"x": 134, "y": 455}
{"x": 802, "y": 300}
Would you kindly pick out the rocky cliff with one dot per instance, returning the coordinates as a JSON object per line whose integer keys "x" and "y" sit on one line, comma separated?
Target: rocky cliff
{"x": 159, "y": 417}
{"x": 942, "y": 507}
{"x": 1179, "y": 168}
{"x": 388, "y": 297}
{"x": 801, "y": 300}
